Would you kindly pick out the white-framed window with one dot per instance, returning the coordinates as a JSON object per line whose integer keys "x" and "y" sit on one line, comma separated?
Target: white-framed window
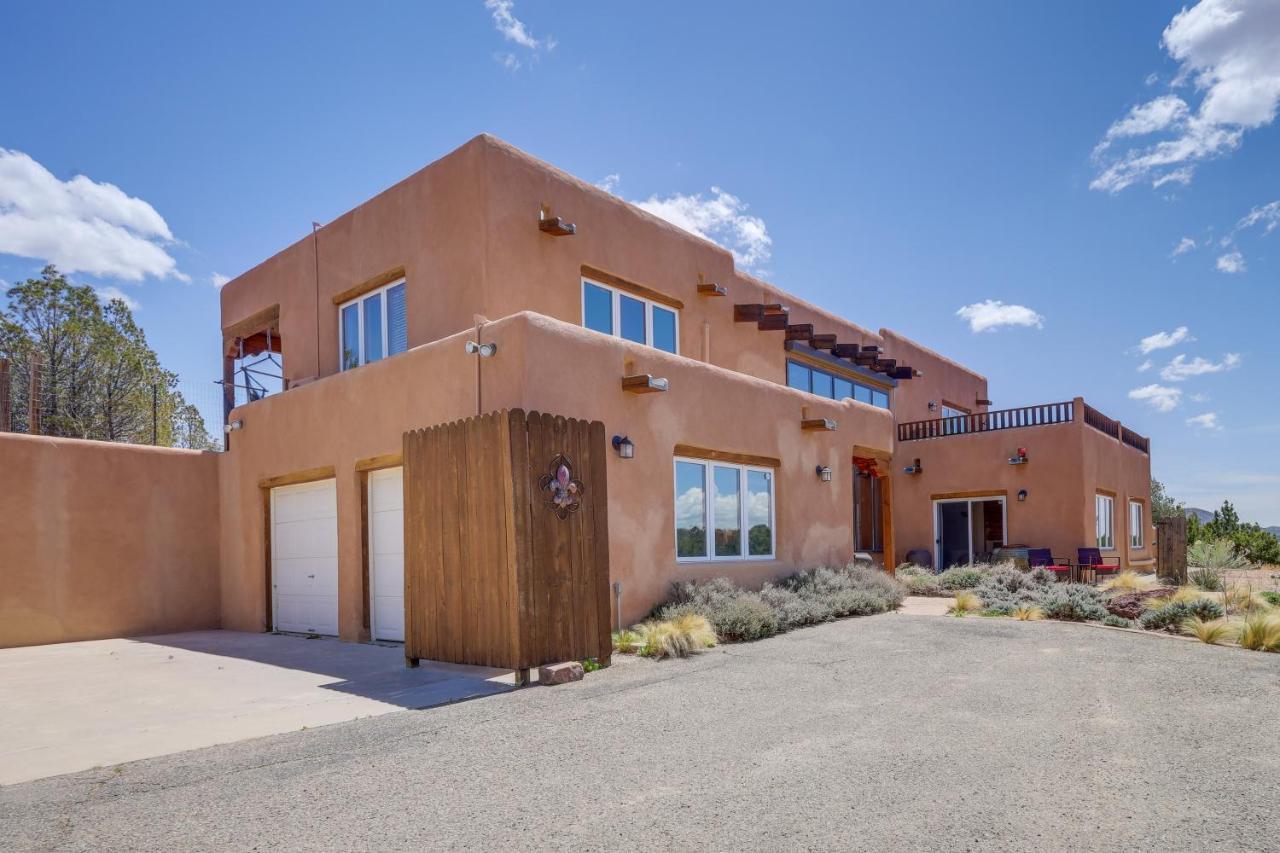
{"x": 1135, "y": 524}
{"x": 734, "y": 502}
{"x": 1105, "y": 507}
{"x": 633, "y": 318}
{"x": 372, "y": 326}
{"x": 958, "y": 425}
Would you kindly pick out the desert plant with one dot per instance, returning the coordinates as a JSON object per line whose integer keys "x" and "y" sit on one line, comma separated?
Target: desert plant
{"x": 1117, "y": 621}
{"x": 1271, "y": 597}
{"x": 697, "y": 629}
{"x": 1210, "y": 580}
{"x": 1241, "y": 598}
{"x": 661, "y": 639}
{"x": 1170, "y": 616}
{"x": 1188, "y": 593}
{"x": 1027, "y": 613}
{"x": 1075, "y": 602}
{"x": 960, "y": 577}
{"x": 736, "y": 614}
{"x": 625, "y": 642}
{"x": 1260, "y": 632}
{"x": 967, "y": 601}
{"x": 1211, "y": 631}
{"x": 1129, "y": 582}
{"x": 1219, "y": 554}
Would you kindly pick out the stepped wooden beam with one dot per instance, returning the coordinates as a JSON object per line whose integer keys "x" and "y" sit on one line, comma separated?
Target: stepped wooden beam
{"x": 902, "y": 372}
{"x": 773, "y": 322}
{"x": 643, "y": 383}
{"x": 774, "y": 308}
{"x": 824, "y": 424}
{"x": 557, "y": 227}
{"x": 845, "y": 350}
{"x": 748, "y": 312}
{"x": 710, "y": 288}
{"x": 823, "y": 341}
{"x": 981, "y": 402}
{"x": 799, "y": 331}
{"x": 884, "y": 365}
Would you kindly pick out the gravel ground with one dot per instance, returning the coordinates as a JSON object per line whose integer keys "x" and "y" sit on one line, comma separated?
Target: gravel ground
{"x": 889, "y": 732}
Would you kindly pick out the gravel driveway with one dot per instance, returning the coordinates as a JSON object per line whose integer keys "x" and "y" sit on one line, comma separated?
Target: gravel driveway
{"x": 889, "y": 732}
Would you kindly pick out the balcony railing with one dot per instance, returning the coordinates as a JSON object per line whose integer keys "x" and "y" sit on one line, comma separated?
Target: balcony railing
{"x": 1044, "y": 414}
{"x": 1026, "y": 416}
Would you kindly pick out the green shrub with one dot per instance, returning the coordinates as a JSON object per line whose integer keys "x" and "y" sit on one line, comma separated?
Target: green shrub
{"x": 1117, "y": 621}
{"x": 1170, "y": 616}
{"x": 1208, "y": 579}
{"x": 1218, "y": 554}
{"x": 1271, "y": 597}
{"x": 960, "y": 577}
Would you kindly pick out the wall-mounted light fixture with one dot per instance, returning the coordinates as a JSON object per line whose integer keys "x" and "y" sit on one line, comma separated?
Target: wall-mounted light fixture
{"x": 1019, "y": 458}
{"x": 1022, "y": 495}
{"x": 823, "y": 472}
{"x": 482, "y": 350}
{"x": 933, "y": 405}
{"x": 233, "y": 426}
{"x": 914, "y": 468}
{"x": 625, "y": 446}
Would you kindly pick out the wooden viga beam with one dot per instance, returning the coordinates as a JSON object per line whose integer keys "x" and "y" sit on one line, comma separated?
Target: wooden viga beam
{"x": 799, "y": 331}
{"x": 823, "y": 341}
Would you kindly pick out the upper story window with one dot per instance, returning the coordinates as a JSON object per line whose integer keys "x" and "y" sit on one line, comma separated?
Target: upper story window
{"x": 960, "y": 422}
{"x": 372, "y": 326}
{"x": 614, "y": 312}
{"x": 824, "y": 384}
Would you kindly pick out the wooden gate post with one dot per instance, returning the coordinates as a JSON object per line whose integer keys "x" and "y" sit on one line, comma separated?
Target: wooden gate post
{"x": 33, "y": 394}
{"x": 6, "y": 420}
{"x": 1171, "y": 549}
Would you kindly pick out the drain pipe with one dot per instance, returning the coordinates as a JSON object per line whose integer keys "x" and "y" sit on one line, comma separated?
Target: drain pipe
{"x": 617, "y": 599}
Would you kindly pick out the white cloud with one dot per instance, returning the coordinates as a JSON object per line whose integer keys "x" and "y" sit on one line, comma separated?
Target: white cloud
{"x": 514, "y": 30}
{"x": 1267, "y": 213}
{"x": 1180, "y": 369}
{"x": 1151, "y": 79}
{"x": 721, "y": 218}
{"x": 609, "y": 183}
{"x": 1207, "y": 421}
{"x": 1146, "y": 365}
{"x": 80, "y": 225}
{"x": 1162, "y": 398}
{"x": 1231, "y": 263}
{"x": 1198, "y": 398}
{"x": 1230, "y": 49}
{"x": 107, "y": 294}
{"x": 1164, "y": 340}
{"x": 218, "y": 280}
{"x": 1186, "y": 244}
{"x": 992, "y": 314}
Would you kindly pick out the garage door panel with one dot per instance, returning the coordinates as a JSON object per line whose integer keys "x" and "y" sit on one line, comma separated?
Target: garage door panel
{"x": 316, "y": 537}
{"x": 304, "y": 564}
{"x": 386, "y": 552}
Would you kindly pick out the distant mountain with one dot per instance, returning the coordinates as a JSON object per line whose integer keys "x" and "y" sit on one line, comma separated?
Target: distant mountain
{"x": 1203, "y": 514}
{"x": 1273, "y": 530}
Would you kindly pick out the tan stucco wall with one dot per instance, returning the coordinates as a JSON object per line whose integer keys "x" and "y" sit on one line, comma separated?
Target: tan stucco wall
{"x": 1068, "y": 464}
{"x": 105, "y": 540}
{"x": 546, "y": 365}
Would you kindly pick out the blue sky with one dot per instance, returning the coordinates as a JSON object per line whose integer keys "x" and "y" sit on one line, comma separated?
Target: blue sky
{"x": 903, "y": 162}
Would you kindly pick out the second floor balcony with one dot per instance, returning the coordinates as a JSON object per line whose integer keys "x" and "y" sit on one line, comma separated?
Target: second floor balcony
{"x": 1024, "y": 417}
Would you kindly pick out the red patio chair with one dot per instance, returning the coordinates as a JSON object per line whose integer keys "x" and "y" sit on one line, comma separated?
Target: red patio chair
{"x": 1092, "y": 559}
{"x": 1043, "y": 558}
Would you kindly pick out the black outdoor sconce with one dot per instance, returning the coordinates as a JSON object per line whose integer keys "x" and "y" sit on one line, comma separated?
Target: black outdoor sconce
{"x": 625, "y": 446}
{"x": 914, "y": 468}
{"x": 823, "y": 472}
{"x": 1022, "y": 495}
{"x": 1019, "y": 458}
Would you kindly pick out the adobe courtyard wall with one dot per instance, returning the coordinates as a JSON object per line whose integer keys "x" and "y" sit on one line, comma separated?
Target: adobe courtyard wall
{"x": 101, "y": 540}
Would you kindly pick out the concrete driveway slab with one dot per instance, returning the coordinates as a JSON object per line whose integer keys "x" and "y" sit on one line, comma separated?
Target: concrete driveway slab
{"x": 75, "y": 706}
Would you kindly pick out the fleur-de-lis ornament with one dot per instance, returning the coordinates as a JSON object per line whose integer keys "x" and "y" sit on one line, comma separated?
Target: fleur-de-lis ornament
{"x": 564, "y": 494}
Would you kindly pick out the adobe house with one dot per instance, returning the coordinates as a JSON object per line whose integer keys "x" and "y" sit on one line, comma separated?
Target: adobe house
{"x": 750, "y": 433}
{"x": 782, "y": 428}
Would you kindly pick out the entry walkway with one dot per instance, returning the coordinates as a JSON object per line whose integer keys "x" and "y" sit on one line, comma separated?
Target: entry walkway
{"x": 75, "y": 706}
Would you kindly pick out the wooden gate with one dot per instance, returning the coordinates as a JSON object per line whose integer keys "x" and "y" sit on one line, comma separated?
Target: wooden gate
{"x": 506, "y": 541}
{"x": 1171, "y": 548}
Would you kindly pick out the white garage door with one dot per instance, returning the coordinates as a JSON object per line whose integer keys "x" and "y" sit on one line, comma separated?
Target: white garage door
{"x": 304, "y": 557}
{"x": 386, "y": 553}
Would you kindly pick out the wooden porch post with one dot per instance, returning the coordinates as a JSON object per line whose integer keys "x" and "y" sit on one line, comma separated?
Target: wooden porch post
{"x": 886, "y": 522}
{"x": 228, "y": 395}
